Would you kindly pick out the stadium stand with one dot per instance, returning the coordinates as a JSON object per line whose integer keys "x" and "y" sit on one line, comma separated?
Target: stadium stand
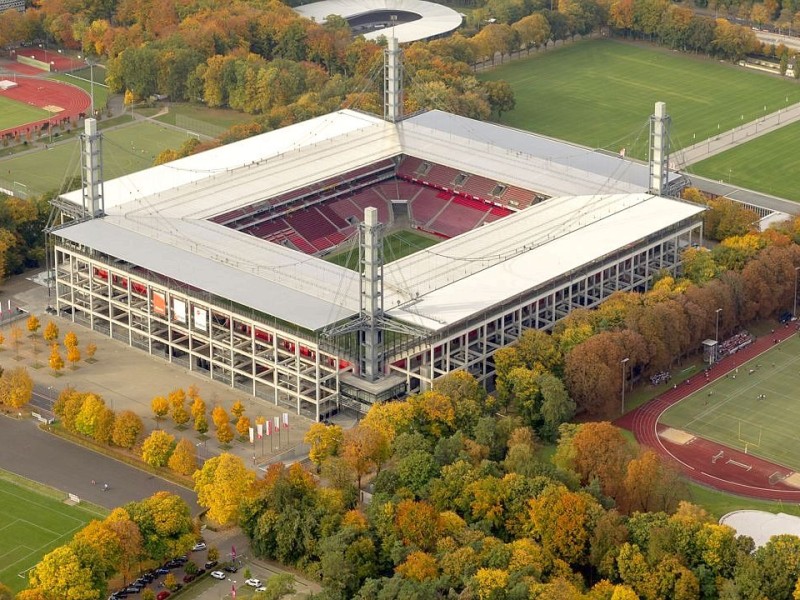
{"x": 458, "y": 217}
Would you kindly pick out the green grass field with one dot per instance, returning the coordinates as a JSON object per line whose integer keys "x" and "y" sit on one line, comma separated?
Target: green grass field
{"x": 733, "y": 415}
{"x": 32, "y": 524}
{"x": 600, "y": 93}
{"x": 83, "y": 80}
{"x": 126, "y": 149}
{"x": 16, "y": 113}
{"x": 396, "y": 245}
{"x": 765, "y": 164}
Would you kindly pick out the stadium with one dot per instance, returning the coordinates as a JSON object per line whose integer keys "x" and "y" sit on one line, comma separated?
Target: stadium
{"x": 217, "y": 261}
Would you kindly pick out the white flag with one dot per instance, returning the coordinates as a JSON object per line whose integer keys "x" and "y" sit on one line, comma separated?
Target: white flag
{"x": 286, "y": 420}
{"x": 251, "y": 435}
{"x": 260, "y": 430}
{"x": 276, "y": 424}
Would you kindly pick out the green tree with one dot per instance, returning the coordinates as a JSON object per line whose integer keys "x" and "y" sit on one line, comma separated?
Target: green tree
{"x": 500, "y": 96}
{"x": 87, "y": 419}
{"x": 221, "y": 484}
{"x": 157, "y": 448}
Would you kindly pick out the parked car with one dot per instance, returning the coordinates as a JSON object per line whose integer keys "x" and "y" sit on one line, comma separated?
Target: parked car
{"x": 253, "y": 582}
{"x": 218, "y": 574}
{"x": 261, "y": 588}
{"x": 187, "y": 578}
{"x": 199, "y": 546}
{"x": 133, "y": 589}
{"x": 210, "y": 564}
{"x": 231, "y": 568}
{"x": 163, "y": 595}
{"x": 161, "y": 571}
{"x": 200, "y": 572}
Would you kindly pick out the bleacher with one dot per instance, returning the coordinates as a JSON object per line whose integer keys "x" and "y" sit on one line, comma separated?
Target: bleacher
{"x": 459, "y": 216}
{"x": 398, "y": 190}
{"x": 310, "y": 223}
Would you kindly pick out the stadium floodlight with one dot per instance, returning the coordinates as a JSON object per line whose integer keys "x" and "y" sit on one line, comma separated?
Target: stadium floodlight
{"x": 794, "y": 308}
{"x": 622, "y": 362}
{"x": 716, "y": 336}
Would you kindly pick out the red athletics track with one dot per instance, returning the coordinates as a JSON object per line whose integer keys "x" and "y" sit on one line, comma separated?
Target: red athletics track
{"x": 733, "y": 471}
{"x": 43, "y": 92}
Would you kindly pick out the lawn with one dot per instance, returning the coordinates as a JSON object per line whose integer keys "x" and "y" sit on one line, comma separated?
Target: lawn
{"x": 33, "y": 524}
{"x": 128, "y": 148}
{"x": 396, "y": 245}
{"x": 734, "y": 416}
{"x": 14, "y": 113}
{"x": 600, "y": 93}
{"x": 764, "y": 164}
{"x": 83, "y": 80}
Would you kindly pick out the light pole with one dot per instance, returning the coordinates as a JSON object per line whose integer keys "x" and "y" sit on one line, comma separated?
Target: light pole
{"x": 622, "y": 362}
{"x": 91, "y": 64}
{"x": 716, "y": 336}
{"x": 794, "y": 308}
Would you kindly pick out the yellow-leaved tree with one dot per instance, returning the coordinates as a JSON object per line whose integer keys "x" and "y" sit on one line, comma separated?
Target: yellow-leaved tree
{"x": 324, "y": 441}
{"x": 55, "y": 361}
{"x": 50, "y": 333}
{"x": 184, "y": 458}
{"x": 61, "y": 575}
{"x": 157, "y": 448}
{"x": 237, "y": 410}
{"x": 16, "y": 387}
{"x": 127, "y": 429}
{"x": 221, "y": 484}
{"x": 160, "y": 406}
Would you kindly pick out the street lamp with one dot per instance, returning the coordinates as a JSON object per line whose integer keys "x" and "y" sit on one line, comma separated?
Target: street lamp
{"x": 794, "y": 309}
{"x": 91, "y": 64}
{"x": 622, "y": 362}
{"x": 716, "y": 336}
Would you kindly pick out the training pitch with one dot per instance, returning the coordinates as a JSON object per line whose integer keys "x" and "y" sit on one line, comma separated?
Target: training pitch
{"x": 730, "y": 412}
{"x": 31, "y": 525}
{"x": 600, "y": 93}
{"x": 13, "y": 113}
{"x": 765, "y": 164}
{"x": 396, "y": 245}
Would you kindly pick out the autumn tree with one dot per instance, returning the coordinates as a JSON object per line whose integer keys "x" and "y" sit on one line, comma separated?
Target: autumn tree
{"x": 16, "y": 387}
{"x": 201, "y": 424}
{"x": 55, "y": 360}
{"x": 87, "y": 420}
{"x": 16, "y": 339}
{"x": 224, "y": 433}
{"x": 128, "y": 427}
{"x": 177, "y": 399}
{"x": 198, "y": 406}
{"x": 60, "y": 575}
{"x": 324, "y": 441}
{"x": 221, "y": 484}
{"x": 243, "y": 427}
{"x": 364, "y": 448}
{"x": 419, "y": 566}
{"x": 50, "y": 333}
{"x": 184, "y": 459}
{"x": 98, "y": 547}
{"x": 219, "y": 416}
{"x": 91, "y": 350}
{"x": 157, "y": 448}
{"x": 165, "y": 524}
{"x": 650, "y": 485}
{"x": 73, "y": 356}
{"x": 70, "y": 340}
{"x": 237, "y": 410}
{"x": 33, "y": 324}
{"x": 160, "y": 407}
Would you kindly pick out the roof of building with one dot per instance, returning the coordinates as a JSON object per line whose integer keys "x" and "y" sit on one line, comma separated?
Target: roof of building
{"x": 158, "y": 218}
{"x": 761, "y": 525}
{"x": 436, "y": 19}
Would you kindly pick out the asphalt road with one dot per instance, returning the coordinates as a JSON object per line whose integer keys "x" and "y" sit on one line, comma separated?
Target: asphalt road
{"x": 28, "y": 451}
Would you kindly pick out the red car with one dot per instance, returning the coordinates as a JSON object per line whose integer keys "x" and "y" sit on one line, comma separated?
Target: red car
{"x": 163, "y": 595}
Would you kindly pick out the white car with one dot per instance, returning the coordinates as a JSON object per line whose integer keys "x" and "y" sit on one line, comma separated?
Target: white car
{"x": 218, "y": 574}
{"x": 253, "y": 582}
{"x": 263, "y": 588}
{"x": 199, "y": 546}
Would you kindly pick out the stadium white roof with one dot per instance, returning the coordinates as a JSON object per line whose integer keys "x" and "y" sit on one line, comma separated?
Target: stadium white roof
{"x": 436, "y": 19}
{"x": 761, "y": 525}
{"x": 158, "y": 218}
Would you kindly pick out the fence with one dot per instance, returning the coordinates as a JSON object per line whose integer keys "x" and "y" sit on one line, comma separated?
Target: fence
{"x": 192, "y": 125}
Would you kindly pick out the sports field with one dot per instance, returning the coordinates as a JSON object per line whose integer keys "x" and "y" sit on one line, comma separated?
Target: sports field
{"x": 734, "y": 415}
{"x": 765, "y": 164}
{"x": 396, "y": 245}
{"x": 600, "y": 93}
{"x": 13, "y": 113}
{"x": 126, "y": 149}
{"x": 31, "y": 525}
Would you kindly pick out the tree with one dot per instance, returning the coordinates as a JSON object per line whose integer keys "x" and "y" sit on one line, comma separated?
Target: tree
{"x": 33, "y": 324}
{"x": 415, "y": 524}
{"x": 157, "y": 448}
{"x": 5, "y": 592}
{"x": 601, "y": 452}
{"x": 70, "y": 340}
{"x": 279, "y": 586}
{"x": 225, "y": 433}
{"x": 500, "y": 96}
{"x": 243, "y": 427}
{"x": 324, "y": 441}
{"x": 16, "y": 339}
{"x": 177, "y": 398}
{"x": 60, "y": 575}
{"x": 650, "y": 485}
{"x": 160, "y": 407}
{"x": 419, "y": 566}
{"x": 50, "y": 333}
{"x": 16, "y": 388}
{"x": 91, "y": 349}
{"x": 237, "y": 410}
{"x": 127, "y": 429}
{"x": 364, "y": 448}
{"x": 201, "y": 424}
{"x": 55, "y": 361}
{"x": 221, "y": 484}
{"x": 73, "y": 356}
{"x": 219, "y": 416}
{"x": 198, "y": 406}
{"x": 184, "y": 458}
{"x": 98, "y": 547}
{"x": 165, "y": 524}
{"x": 86, "y": 421}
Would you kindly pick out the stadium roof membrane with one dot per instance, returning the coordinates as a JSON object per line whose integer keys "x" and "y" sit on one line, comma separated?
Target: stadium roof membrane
{"x": 159, "y": 218}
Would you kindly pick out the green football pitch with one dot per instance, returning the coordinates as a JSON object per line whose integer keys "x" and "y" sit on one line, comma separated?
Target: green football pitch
{"x": 765, "y": 164}
{"x": 128, "y": 148}
{"x": 600, "y": 93}
{"x": 31, "y": 525}
{"x": 396, "y": 245}
{"x": 14, "y": 113}
{"x": 734, "y": 416}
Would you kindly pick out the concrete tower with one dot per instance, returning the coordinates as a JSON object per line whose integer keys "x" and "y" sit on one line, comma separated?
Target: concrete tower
{"x": 92, "y": 170}
{"x": 659, "y": 150}
{"x": 372, "y": 351}
{"x": 393, "y": 81}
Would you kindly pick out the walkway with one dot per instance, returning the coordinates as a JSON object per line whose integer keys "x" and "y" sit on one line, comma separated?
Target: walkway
{"x": 738, "y": 472}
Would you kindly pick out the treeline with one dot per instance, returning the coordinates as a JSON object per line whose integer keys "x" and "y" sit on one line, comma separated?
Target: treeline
{"x": 22, "y": 224}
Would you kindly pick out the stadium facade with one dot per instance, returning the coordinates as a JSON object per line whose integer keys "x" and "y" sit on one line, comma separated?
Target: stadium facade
{"x": 214, "y": 261}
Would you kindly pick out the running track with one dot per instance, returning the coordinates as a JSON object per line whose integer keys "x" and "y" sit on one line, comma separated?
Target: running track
{"x": 729, "y": 473}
